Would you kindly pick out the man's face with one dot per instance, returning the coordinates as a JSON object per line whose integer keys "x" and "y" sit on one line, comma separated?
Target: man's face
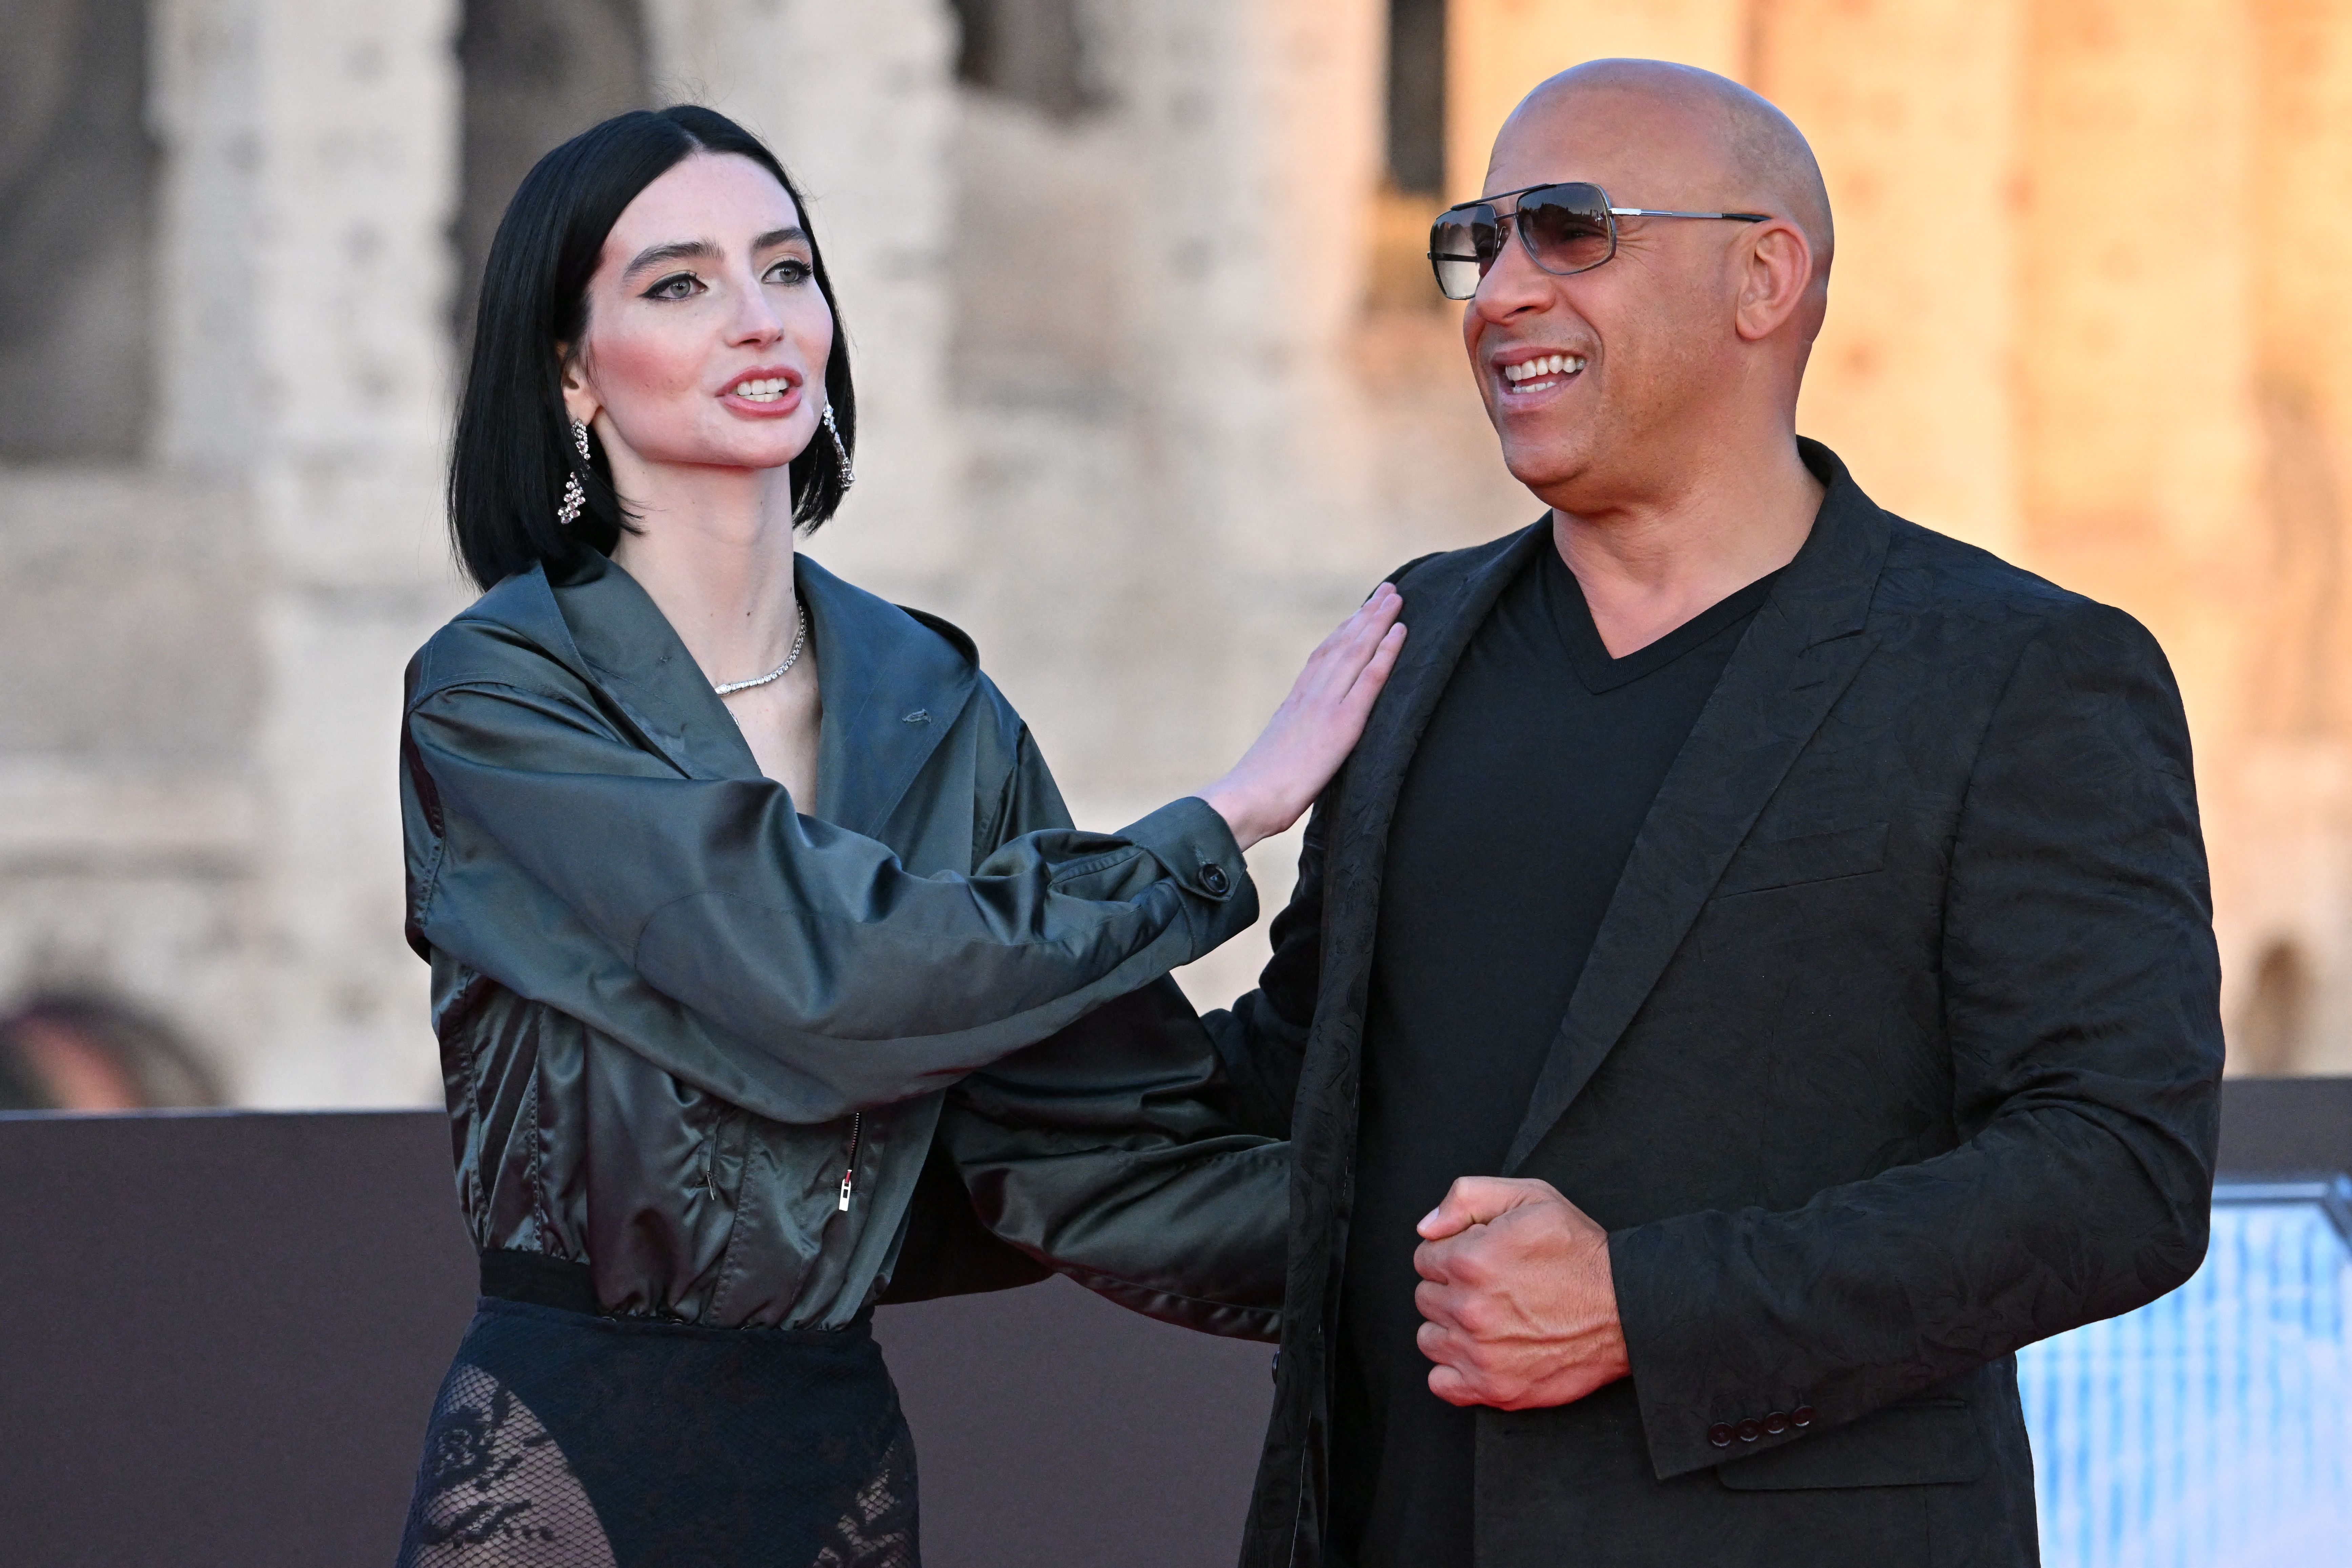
{"x": 1637, "y": 341}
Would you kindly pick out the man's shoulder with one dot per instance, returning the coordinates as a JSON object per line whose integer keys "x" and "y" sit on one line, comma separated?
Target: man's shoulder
{"x": 1971, "y": 593}
{"x": 1450, "y": 566}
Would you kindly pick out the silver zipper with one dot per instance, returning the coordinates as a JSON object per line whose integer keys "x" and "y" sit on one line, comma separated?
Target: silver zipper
{"x": 849, "y": 1174}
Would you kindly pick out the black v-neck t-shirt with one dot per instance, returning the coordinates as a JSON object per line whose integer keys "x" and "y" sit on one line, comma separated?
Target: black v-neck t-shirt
{"x": 1514, "y": 823}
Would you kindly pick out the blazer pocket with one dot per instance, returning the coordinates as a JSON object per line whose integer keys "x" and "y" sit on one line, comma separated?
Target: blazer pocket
{"x": 1814, "y": 857}
{"x": 1927, "y": 1442}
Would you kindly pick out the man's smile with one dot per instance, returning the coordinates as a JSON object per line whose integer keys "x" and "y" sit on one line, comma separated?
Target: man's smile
{"x": 1538, "y": 373}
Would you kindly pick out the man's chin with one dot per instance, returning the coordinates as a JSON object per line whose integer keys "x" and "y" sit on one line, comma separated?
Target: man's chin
{"x": 1547, "y": 469}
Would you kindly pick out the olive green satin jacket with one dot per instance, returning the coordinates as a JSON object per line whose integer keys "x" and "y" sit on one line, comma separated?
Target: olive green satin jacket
{"x": 681, "y": 1023}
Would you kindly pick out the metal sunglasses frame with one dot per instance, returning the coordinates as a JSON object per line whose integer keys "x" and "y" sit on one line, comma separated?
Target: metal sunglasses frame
{"x": 1513, "y": 218}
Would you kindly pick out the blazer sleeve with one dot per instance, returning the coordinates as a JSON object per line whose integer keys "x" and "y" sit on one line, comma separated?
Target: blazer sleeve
{"x": 1111, "y": 1153}
{"x": 802, "y": 943}
{"x": 2080, "y": 991}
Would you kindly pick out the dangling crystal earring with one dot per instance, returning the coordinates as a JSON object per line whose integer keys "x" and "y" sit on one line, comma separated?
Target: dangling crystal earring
{"x": 574, "y": 498}
{"x": 848, "y": 474}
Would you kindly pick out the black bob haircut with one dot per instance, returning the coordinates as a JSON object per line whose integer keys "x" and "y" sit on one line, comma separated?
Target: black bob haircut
{"x": 513, "y": 448}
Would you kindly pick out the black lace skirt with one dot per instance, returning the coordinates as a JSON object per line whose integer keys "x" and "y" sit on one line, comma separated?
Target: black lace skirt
{"x": 563, "y": 1439}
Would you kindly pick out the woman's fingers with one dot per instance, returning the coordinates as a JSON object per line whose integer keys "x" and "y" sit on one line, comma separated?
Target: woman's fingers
{"x": 1342, "y": 656}
{"x": 1375, "y": 673}
{"x": 1318, "y": 724}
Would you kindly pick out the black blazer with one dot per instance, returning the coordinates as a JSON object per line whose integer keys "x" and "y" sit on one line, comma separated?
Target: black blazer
{"x": 1897, "y": 1050}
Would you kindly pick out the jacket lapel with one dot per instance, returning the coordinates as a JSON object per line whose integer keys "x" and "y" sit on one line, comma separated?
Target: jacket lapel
{"x": 893, "y": 687}
{"x": 636, "y": 662}
{"x": 877, "y": 669}
{"x": 1801, "y": 651}
{"x": 1444, "y": 608}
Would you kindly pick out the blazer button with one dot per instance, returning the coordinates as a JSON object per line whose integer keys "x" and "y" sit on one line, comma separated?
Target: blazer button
{"x": 1802, "y": 1415}
{"x": 1777, "y": 1423}
{"x": 1719, "y": 1435}
{"x": 1213, "y": 879}
{"x": 1749, "y": 1430}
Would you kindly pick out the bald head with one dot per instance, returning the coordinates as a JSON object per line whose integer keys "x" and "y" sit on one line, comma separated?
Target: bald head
{"x": 1684, "y": 354}
{"x": 1678, "y": 136}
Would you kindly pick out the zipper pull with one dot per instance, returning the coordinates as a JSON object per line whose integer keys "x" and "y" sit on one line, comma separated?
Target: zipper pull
{"x": 849, "y": 1172}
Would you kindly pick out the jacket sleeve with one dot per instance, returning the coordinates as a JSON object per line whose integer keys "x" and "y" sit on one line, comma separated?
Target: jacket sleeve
{"x": 2080, "y": 992}
{"x": 1262, "y": 1039}
{"x": 805, "y": 946}
{"x": 1111, "y": 1153}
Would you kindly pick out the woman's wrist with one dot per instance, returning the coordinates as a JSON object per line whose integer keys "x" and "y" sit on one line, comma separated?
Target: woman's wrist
{"x": 1247, "y": 811}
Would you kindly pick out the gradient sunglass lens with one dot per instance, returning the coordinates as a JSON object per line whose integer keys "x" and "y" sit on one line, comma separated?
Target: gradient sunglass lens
{"x": 1566, "y": 228}
{"x": 1462, "y": 244}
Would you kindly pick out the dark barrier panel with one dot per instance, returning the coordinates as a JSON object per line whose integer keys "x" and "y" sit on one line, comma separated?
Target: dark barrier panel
{"x": 222, "y": 1333}
{"x": 2273, "y": 1125}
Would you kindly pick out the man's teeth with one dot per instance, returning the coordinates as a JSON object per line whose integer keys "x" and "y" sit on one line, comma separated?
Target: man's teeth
{"x": 1526, "y": 371}
{"x": 760, "y": 391}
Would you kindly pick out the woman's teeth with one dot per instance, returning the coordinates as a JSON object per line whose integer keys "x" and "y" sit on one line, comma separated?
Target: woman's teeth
{"x": 760, "y": 391}
{"x": 1535, "y": 374}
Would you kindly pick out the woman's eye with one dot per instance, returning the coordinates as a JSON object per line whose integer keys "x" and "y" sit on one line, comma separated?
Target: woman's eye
{"x": 791, "y": 269}
{"x": 679, "y": 286}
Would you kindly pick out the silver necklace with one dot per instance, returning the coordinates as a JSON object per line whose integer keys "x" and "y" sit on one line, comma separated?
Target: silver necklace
{"x": 800, "y": 613}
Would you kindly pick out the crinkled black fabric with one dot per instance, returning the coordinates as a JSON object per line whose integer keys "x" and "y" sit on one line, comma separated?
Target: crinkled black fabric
{"x": 1898, "y": 1048}
{"x": 566, "y": 1440}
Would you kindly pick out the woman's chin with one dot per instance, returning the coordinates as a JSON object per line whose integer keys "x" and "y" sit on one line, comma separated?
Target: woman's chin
{"x": 752, "y": 451}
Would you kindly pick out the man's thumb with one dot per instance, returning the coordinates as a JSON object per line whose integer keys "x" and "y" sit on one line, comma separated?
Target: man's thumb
{"x": 1468, "y": 1202}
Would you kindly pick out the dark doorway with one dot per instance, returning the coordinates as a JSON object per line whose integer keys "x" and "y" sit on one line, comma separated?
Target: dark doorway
{"x": 2274, "y": 1027}
{"x": 1416, "y": 129}
{"x": 537, "y": 73}
{"x": 78, "y": 352}
{"x": 1034, "y": 51}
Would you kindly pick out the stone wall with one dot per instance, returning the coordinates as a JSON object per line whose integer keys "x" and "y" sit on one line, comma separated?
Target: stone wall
{"x": 1152, "y": 390}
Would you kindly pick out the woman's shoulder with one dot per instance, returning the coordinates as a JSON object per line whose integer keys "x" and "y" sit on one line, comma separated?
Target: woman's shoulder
{"x": 512, "y": 635}
{"x": 924, "y": 667}
{"x": 989, "y": 704}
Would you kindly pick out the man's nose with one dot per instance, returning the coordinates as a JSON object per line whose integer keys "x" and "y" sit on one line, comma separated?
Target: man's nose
{"x": 1513, "y": 284}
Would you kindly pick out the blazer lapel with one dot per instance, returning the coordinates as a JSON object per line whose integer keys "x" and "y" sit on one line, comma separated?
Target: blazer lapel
{"x": 1801, "y": 651}
{"x": 1443, "y": 610}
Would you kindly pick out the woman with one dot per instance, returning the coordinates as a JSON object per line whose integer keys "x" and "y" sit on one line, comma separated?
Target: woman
{"x": 727, "y": 870}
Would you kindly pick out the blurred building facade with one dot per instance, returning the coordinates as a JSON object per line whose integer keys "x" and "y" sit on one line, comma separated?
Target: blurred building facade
{"x": 1154, "y": 387}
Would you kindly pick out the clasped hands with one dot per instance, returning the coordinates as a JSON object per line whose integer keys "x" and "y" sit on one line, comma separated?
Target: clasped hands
{"x": 1514, "y": 1285}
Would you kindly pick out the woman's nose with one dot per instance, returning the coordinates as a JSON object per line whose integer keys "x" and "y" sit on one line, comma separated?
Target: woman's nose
{"x": 756, "y": 320}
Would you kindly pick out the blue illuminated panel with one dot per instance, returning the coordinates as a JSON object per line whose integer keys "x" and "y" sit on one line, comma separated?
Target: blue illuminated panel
{"x": 2212, "y": 1428}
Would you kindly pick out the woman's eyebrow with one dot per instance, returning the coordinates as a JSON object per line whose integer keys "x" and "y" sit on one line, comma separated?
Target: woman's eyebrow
{"x": 704, "y": 250}
{"x": 681, "y": 250}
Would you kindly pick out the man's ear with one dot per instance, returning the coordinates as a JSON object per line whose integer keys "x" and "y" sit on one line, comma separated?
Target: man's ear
{"x": 1776, "y": 278}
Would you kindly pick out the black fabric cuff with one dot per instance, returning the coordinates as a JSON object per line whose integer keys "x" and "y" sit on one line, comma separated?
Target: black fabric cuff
{"x": 1692, "y": 1417}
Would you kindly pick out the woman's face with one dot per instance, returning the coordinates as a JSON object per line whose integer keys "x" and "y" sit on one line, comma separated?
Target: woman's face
{"x": 707, "y": 337}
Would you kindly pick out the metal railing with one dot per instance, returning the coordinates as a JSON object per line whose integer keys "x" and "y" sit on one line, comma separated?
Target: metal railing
{"x": 2212, "y": 1428}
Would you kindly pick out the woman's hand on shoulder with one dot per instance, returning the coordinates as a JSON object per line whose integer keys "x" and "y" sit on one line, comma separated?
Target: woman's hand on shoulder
{"x": 1317, "y": 725}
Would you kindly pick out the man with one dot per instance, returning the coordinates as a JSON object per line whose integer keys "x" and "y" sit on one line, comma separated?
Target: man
{"x": 1756, "y": 971}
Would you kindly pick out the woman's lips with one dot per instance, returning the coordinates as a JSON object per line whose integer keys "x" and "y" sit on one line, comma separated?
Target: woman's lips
{"x": 764, "y": 394}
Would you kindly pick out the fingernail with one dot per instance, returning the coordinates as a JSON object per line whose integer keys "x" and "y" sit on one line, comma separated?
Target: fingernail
{"x": 1430, "y": 1215}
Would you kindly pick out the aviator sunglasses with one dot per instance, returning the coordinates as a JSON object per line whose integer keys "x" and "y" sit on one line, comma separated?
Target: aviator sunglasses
{"x": 1566, "y": 228}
